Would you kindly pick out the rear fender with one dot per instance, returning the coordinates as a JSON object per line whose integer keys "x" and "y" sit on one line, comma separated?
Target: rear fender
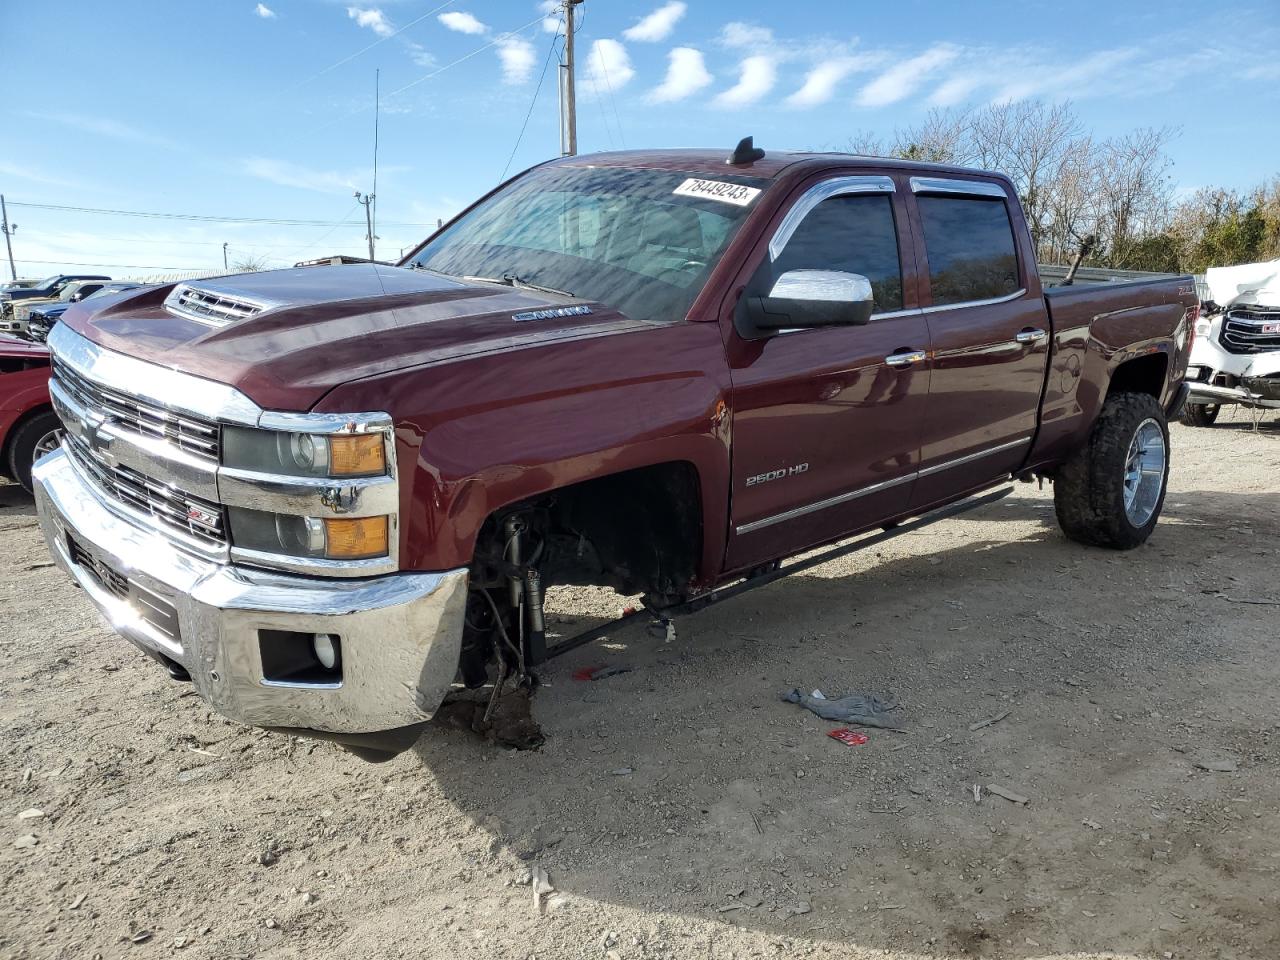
{"x": 1088, "y": 361}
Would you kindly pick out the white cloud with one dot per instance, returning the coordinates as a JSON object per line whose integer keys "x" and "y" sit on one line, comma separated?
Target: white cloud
{"x": 657, "y": 25}
{"x": 956, "y": 89}
{"x": 372, "y": 18}
{"x": 461, "y": 22}
{"x": 419, "y": 54}
{"x": 820, "y": 83}
{"x": 1033, "y": 79}
{"x": 37, "y": 176}
{"x": 757, "y": 77}
{"x": 608, "y": 67}
{"x": 551, "y": 10}
{"x": 686, "y": 75}
{"x": 518, "y": 59}
{"x": 106, "y": 127}
{"x": 287, "y": 174}
{"x": 745, "y": 36}
{"x": 900, "y": 81}
{"x": 265, "y": 12}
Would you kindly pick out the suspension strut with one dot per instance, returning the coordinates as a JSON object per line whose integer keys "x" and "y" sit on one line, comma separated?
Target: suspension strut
{"x": 525, "y": 585}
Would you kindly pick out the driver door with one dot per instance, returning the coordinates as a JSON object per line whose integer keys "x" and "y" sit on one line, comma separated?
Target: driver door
{"x": 827, "y": 421}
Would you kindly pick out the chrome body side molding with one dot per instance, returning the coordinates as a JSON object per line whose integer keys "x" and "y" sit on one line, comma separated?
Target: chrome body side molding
{"x": 874, "y": 488}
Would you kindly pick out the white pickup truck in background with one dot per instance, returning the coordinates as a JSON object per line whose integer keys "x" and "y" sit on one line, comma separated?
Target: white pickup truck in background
{"x": 1236, "y": 356}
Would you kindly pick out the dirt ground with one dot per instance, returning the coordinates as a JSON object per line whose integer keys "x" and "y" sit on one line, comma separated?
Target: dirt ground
{"x": 681, "y": 809}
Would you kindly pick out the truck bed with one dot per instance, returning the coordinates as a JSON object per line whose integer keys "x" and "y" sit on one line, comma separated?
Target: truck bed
{"x": 1052, "y": 275}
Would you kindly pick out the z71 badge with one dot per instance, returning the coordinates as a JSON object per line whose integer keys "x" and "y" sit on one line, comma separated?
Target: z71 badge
{"x": 778, "y": 474}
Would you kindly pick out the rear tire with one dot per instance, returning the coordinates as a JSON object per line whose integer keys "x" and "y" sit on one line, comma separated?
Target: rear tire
{"x": 1110, "y": 493}
{"x": 33, "y": 439}
{"x": 1201, "y": 414}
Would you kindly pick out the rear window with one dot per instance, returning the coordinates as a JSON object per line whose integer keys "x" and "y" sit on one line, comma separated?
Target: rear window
{"x": 969, "y": 242}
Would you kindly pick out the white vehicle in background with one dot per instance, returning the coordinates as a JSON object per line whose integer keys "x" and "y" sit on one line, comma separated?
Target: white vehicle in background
{"x": 1236, "y": 355}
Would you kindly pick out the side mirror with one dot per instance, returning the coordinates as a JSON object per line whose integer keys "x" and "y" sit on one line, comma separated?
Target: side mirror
{"x": 813, "y": 298}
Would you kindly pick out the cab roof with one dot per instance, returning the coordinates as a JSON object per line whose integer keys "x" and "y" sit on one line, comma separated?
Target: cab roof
{"x": 770, "y": 166}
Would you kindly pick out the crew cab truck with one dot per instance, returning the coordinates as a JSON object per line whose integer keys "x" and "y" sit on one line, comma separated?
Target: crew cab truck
{"x": 328, "y": 495}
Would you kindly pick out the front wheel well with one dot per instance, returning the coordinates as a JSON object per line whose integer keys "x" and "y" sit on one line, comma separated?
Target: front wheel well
{"x": 639, "y": 532}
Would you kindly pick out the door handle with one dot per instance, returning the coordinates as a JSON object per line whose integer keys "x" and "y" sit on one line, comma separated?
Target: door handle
{"x": 905, "y": 358}
{"x": 1031, "y": 335}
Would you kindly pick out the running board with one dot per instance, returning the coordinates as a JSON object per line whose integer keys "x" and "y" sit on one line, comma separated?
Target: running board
{"x": 742, "y": 586}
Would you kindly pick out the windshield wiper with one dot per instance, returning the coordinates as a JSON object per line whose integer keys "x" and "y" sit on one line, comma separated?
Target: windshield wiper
{"x": 511, "y": 280}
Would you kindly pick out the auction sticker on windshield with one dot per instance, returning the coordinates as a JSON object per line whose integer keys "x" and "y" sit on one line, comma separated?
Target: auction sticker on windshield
{"x": 721, "y": 190}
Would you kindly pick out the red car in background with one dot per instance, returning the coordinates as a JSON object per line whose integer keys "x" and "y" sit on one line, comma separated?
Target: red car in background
{"x": 28, "y": 426}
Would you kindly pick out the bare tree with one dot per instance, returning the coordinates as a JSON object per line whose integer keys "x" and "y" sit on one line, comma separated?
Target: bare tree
{"x": 1134, "y": 190}
{"x": 249, "y": 263}
{"x": 945, "y": 136}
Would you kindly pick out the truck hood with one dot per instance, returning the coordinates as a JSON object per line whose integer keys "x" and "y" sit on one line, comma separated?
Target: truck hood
{"x": 12, "y": 347}
{"x": 1254, "y": 283}
{"x": 285, "y": 338}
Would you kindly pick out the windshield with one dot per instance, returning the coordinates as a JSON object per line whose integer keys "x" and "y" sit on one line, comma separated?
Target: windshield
{"x": 642, "y": 241}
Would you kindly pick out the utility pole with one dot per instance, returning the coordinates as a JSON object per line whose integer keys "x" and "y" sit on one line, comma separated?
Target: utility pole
{"x": 9, "y": 231}
{"x": 372, "y": 208}
{"x": 568, "y": 98}
{"x": 367, "y": 201}
{"x": 224, "y": 258}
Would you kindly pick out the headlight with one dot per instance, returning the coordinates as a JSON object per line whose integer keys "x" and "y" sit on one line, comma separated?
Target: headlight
{"x": 305, "y": 454}
{"x": 329, "y": 538}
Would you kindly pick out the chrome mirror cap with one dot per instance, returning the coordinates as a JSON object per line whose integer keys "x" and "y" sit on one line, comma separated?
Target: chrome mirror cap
{"x": 830, "y": 286}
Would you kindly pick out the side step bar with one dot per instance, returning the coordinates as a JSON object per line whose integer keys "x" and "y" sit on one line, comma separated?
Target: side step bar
{"x": 742, "y": 586}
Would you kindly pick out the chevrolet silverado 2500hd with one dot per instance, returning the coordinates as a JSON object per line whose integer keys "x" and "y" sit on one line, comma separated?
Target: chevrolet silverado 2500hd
{"x": 327, "y": 495}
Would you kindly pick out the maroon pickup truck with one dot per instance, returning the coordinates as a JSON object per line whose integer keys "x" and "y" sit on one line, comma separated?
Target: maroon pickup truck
{"x": 328, "y": 495}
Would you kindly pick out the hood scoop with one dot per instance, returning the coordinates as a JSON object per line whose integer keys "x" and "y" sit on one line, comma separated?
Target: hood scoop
{"x": 214, "y": 306}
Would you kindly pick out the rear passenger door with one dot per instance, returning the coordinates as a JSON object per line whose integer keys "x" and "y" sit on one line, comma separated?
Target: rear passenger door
{"x": 989, "y": 333}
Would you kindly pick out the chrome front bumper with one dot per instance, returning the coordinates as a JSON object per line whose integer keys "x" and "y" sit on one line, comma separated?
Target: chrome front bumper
{"x": 401, "y": 634}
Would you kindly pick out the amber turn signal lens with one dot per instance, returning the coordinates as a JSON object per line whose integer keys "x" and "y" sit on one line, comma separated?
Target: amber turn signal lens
{"x": 357, "y": 539}
{"x": 359, "y": 454}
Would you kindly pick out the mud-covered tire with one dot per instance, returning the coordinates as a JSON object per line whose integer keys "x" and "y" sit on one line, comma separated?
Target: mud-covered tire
{"x": 1089, "y": 492}
{"x": 29, "y": 441}
{"x": 1201, "y": 414}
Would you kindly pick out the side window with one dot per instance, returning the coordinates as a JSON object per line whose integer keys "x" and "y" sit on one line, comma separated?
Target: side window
{"x": 969, "y": 242}
{"x": 855, "y": 234}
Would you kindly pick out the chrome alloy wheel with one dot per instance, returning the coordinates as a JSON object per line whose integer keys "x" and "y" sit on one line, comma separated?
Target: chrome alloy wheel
{"x": 1144, "y": 472}
{"x": 47, "y": 444}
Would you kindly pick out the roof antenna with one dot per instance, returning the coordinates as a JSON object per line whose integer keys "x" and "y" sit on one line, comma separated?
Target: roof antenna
{"x": 745, "y": 153}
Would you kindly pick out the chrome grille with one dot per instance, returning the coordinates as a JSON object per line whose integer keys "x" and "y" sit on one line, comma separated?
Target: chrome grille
{"x": 195, "y": 436}
{"x": 201, "y": 520}
{"x": 1250, "y": 330}
{"x": 206, "y": 306}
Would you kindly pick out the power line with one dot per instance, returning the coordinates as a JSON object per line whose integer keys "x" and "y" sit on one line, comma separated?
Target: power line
{"x": 363, "y": 50}
{"x": 492, "y": 43}
{"x": 199, "y": 217}
{"x": 120, "y": 266}
{"x": 524, "y": 126}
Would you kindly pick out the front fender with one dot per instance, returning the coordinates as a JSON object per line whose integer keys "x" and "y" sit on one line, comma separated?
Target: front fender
{"x": 477, "y": 434}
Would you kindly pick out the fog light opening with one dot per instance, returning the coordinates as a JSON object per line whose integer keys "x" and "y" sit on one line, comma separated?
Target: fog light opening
{"x": 296, "y": 659}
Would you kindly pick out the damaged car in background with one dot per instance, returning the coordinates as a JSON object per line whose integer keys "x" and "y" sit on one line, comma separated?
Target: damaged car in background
{"x": 1236, "y": 356}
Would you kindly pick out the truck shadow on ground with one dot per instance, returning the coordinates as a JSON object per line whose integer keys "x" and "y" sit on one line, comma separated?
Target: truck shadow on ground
{"x": 686, "y": 786}
{"x": 15, "y": 502}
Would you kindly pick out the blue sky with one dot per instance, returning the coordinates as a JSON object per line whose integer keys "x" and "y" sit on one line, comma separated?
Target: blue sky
{"x": 265, "y": 110}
